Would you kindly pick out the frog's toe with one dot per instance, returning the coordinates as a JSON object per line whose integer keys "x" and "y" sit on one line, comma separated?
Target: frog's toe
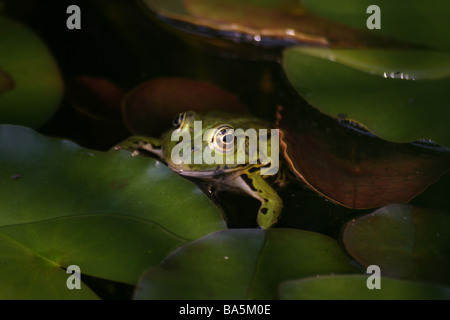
{"x": 136, "y": 144}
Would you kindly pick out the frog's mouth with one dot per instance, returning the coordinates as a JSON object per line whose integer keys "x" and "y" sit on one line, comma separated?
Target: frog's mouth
{"x": 205, "y": 173}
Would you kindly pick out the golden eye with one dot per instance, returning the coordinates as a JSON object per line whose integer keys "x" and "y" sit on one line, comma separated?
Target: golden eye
{"x": 224, "y": 138}
{"x": 178, "y": 120}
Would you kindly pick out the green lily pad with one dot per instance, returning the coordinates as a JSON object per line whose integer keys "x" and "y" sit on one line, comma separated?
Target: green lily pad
{"x": 242, "y": 264}
{"x": 404, "y": 241}
{"x": 24, "y": 275}
{"x": 38, "y": 86}
{"x": 109, "y": 213}
{"x": 412, "y": 21}
{"x": 354, "y": 287}
{"x": 399, "y": 95}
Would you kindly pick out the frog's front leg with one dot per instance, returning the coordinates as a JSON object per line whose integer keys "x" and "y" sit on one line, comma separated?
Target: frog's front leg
{"x": 135, "y": 144}
{"x": 271, "y": 203}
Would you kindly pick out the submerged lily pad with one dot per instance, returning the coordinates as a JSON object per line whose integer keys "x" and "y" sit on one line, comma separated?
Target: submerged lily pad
{"x": 37, "y": 84}
{"x": 354, "y": 287}
{"x": 109, "y": 213}
{"x": 352, "y": 168}
{"x": 150, "y": 108}
{"x": 266, "y": 23}
{"x": 399, "y": 95}
{"x": 404, "y": 241}
{"x": 97, "y": 98}
{"x": 242, "y": 264}
{"x": 412, "y": 21}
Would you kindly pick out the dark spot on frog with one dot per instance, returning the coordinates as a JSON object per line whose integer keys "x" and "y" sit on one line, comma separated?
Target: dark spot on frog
{"x": 249, "y": 182}
{"x": 264, "y": 210}
{"x": 119, "y": 183}
{"x": 253, "y": 170}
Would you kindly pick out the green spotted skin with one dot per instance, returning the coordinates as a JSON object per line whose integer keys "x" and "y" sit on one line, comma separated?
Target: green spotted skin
{"x": 235, "y": 176}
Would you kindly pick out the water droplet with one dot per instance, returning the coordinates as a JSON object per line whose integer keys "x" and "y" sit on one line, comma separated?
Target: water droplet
{"x": 290, "y": 32}
{"x": 398, "y": 75}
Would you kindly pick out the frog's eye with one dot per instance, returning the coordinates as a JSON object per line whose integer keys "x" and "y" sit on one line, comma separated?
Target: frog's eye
{"x": 178, "y": 120}
{"x": 224, "y": 138}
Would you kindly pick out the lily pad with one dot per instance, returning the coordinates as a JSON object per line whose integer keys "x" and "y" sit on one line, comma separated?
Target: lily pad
{"x": 26, "y": 276}
{"x": 404, "y": 241}
{"x": 399, "y": 95}
{"x": 262, "y": 23}
{"x": 412, "y": 21}
{"x": 109, "y": 213}
{"x": 38, "y": 86}
{"x": 436, "y": 195}
{"x": 97, "y": 98}
{"x": 151, "y": 107}
{"x": 352, "y": 168}
{"x": 242, "y": 264}
{"x": 354, "y": 287}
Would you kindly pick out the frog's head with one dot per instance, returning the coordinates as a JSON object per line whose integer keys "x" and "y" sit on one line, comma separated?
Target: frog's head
{"x": 206, "y": 144}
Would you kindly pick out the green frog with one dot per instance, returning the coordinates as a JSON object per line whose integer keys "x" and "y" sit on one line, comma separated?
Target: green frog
{"x": 237, "y": 153}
